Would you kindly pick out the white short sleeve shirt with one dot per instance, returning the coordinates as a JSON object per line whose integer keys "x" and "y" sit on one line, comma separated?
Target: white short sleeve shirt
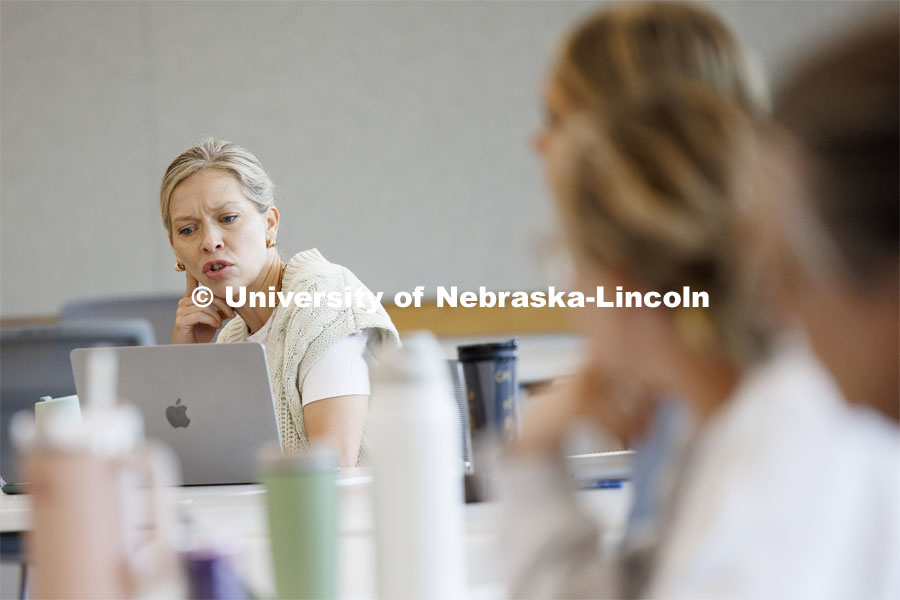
{"x": 341, "y": 371}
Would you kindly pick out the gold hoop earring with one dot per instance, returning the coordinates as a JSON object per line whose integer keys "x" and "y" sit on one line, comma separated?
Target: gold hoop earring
{"x": 270, "y": 243}
{"x": 179, "y": 267}
{"x": 695, "y": 328}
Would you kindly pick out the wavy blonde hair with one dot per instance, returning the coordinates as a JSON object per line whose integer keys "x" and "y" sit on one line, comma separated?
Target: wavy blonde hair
{"x": 625, "y": 50}
{"x": 648, "y": 182}
{"x": 217, "y": 155}
{"x": 651, "y": 190}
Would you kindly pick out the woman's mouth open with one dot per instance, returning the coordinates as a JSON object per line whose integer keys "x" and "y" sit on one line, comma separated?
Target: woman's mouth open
{"x": 217, "y": 269}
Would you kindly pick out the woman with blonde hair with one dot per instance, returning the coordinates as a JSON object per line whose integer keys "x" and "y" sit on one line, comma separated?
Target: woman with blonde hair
{"x": 612, "y": 59}
{"x": 647, "y": 195}
{"x": 651, "y": 151}
{"x": 219, "y": 213}
{"x": 650, "y": 197}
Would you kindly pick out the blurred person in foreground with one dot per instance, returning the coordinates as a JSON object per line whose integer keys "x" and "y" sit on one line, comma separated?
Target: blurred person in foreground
{"x": 613, "y": 56}
{"x": 783, "y": 490}
{"x": 830, "y": 227}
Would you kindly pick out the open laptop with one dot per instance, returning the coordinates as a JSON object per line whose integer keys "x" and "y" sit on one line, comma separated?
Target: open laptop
{"x": 210, "y": 403}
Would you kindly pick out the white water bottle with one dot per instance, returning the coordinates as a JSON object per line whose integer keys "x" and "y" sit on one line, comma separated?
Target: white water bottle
{"x": 419, "y": 504}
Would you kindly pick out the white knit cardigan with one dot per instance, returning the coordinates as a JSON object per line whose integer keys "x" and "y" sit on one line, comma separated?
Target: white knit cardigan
{"x": 300, "y": 336}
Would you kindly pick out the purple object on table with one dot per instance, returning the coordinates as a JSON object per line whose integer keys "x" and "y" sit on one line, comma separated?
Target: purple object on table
{"x": 211, "y": 575}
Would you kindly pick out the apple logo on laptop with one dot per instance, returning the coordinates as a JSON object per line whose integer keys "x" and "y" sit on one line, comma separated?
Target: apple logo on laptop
{"x": 177, "y": 415}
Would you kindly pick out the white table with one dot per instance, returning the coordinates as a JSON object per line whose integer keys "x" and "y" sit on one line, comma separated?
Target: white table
{"x": 237, "y": 515}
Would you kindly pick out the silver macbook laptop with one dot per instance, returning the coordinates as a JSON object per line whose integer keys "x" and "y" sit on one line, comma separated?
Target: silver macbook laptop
{"x": 210, "y": 403}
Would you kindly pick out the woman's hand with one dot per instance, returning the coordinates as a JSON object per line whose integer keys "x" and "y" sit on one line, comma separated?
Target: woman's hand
{"x": 195, "y": 325}
{"x": 588, "y": 397}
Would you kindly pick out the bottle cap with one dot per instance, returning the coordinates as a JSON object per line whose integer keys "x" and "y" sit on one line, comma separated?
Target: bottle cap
{"x": 107, "y": 432}
{"x": 420, "y": 358}
{"x": 319, "y": 457}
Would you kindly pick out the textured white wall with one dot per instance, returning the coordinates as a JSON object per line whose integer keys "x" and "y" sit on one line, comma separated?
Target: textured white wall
{"x": 398, "y": 132}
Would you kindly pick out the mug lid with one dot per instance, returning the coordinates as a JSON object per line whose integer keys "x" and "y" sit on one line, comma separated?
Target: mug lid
{"x": 489, "y": 351}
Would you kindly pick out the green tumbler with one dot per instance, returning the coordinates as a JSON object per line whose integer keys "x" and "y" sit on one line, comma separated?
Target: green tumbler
{"x": 302, "y": 503}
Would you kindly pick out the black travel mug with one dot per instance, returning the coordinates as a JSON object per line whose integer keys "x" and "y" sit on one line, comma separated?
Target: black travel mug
{"x": 492, "y": 389}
